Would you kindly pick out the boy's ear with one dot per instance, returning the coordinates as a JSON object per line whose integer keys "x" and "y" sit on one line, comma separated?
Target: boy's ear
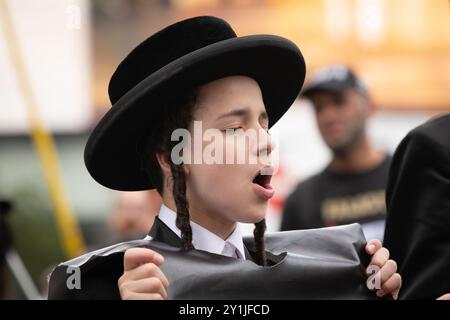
{"x": 163, "y": 161}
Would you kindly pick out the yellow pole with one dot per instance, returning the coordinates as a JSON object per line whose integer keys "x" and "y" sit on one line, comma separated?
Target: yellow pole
{"x": 67, "y": 225}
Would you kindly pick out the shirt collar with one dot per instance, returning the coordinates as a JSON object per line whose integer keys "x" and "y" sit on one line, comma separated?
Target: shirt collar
{"x": 202, "y": 238}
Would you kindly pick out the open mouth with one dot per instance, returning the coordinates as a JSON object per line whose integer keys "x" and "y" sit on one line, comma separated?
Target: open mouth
{"x": 262, "y": 179}
{"x": 262, "y": 185}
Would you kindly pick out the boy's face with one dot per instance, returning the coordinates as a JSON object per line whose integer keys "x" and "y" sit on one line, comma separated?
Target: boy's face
{"x": 232, "y": 110}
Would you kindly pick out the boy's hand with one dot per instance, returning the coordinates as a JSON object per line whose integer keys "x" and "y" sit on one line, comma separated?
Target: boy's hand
{"x": 142, "y": 279}
{"x": 382, "y": 271}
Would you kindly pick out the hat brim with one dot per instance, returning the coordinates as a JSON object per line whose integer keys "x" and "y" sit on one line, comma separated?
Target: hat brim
{"x": 112, "y": 154}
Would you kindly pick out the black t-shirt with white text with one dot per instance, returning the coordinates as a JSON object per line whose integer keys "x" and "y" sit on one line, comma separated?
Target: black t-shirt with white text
{"x": 330, "y": 198}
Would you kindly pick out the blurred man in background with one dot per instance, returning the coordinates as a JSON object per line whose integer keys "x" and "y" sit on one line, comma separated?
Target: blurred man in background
{"x": 134, "y": 214}
{"x": 352, "y": 187}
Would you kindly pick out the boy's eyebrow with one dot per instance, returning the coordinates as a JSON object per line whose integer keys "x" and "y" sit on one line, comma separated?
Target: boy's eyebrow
{"x": 241, "y": 113}
{"x": 234, "y": 113}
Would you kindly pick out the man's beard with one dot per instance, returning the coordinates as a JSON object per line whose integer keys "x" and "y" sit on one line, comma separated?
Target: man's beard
{"x": 347, "y": 146}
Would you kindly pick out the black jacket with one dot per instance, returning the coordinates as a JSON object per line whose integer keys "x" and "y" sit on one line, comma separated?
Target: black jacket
{"x": 307, "y": 264}
{"x": 100, "y": 281}
{"x": 418, "y": 201}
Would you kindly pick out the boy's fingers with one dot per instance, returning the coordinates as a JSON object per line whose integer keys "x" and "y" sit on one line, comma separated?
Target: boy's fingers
{"x": 387, "y": 271}
{"x": 146, "y": 270}
{"x": 392, "y": 285}
{"x": 142, "y": 296}
{"x": 380, "y": 257}
{"x": 373, "y": 246}
{"x": 136, "y": 256}
{"x": 148, "y": 285}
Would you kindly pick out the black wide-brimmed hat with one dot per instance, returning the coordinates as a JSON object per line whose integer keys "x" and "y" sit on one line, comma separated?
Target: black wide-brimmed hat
{"x": 174, "y": 61}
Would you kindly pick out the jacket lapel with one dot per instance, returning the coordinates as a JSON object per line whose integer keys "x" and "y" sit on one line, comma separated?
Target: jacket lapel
{"x": 162, "y": 233}
{"x": 248, "y": 254}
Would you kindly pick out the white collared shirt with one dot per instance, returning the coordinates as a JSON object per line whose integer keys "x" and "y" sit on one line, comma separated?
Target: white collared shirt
{"x": 203, "y": 239}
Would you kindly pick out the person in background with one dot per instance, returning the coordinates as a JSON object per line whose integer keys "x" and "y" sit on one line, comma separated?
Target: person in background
{"x": 352, "y": 187}
{"x": 134, "y": 214}
{"x": 418, "y": 220}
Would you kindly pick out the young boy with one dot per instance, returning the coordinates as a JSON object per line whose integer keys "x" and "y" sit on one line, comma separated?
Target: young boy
{"x": 197, "y": 78}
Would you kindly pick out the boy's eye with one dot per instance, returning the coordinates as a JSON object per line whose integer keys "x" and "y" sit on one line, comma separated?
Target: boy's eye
{"x": 233, "y": 130}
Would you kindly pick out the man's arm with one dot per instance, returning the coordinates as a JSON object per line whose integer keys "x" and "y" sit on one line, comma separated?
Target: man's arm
{"x": 418, "y": 200}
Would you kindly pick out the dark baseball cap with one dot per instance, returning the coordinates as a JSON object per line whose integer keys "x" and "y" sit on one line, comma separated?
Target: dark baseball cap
{"x": 334, "y": 78}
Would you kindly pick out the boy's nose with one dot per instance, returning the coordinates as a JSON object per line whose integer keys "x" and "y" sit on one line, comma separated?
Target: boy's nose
{"x": 265, "y": 144}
